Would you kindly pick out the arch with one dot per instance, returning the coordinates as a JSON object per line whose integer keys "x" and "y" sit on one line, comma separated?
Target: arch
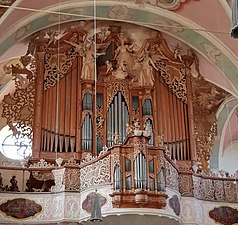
{"x": 223, "y": 116}
{"x": 156, "y": 18}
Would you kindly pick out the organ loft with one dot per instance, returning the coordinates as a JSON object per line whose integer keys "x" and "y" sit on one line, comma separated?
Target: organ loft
{"x": 119, "y": 103}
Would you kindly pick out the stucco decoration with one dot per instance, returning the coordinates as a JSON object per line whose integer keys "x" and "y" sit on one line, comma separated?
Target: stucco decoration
{"x": 120, "y": 12}
{"x": 170, "y": 26}
{"x": 22, "y": 31}
{"x": 169, "y": 4}
{"x": 165, "y": 4}
{"x": 213, "y": 53}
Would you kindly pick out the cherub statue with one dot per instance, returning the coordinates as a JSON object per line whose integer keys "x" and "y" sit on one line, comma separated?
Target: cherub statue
{"x": 78, "y": 47}
{"x": 52, "y": 37}
{"x": 109, "y": 66}
{"x": 116, "y": 138}
{"x": 129, "y": 129}
{"x": 177, "y": 53}
{"x": 147, "y": 132}
{"x": 13, "y": 182}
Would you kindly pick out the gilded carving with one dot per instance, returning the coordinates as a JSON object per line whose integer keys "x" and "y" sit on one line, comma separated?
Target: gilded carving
{"x": 100, "y": 121}
{"x": 19, "y": 108}
{"x": 113, "y": 88}
{"x": 206, "y": 99}
{"x": 72, "y": 179}
{"x": 186, "y": 184}
{"x": 56, "y": 66}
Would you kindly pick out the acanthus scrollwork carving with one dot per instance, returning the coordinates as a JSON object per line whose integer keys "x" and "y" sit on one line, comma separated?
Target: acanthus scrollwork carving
{"x": 96, "y": 173}
{"x": 186, "y": 185}
{"x": 139, "y": 146}
{"x": 100, "y": 121}
{"x": 113, "y": 88}
{"x": 171, "y": 175}
{"x": 206, "y": 99}
{"x": 19, "y": 108}
{"x": 56, "y": 66}
{"x": 215, "y": 189}
{"x": 72, "y": 179}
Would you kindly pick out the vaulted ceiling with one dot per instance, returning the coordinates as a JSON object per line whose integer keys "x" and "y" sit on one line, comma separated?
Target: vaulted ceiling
{"x": 202, "y": 25}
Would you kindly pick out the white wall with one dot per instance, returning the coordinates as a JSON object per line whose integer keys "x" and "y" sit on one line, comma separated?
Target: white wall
{"x": 228, "y": 161}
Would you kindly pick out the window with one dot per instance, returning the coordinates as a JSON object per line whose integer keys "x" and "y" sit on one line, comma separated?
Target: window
{"x": 14, "y": 147}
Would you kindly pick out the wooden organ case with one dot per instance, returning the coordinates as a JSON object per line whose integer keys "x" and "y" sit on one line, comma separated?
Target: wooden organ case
{"x": 109, "y": 90}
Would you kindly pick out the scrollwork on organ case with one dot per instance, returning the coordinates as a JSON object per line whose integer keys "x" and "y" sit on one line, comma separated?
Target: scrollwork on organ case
{"x": 95, "y": 174}
{"x": 206, "y": 99}
{"x": 171, "y": 176}
{"x": 72, "y": 179}
{"x": 56, "y": 66}
{"x": 114, "y": 87}
{"x": 186, "y": 184}
{"x": 19, "y": 108}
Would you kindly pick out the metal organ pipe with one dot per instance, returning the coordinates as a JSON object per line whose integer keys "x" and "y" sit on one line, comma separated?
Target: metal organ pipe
{"x": 90, "y": 133}
{"x": 120, "y": 117}
{"x": 123, "y": 121}
{"x": 116, "y": 116}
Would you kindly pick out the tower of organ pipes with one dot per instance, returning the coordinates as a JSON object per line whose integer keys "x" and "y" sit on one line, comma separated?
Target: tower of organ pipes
{"x": 139, "y": 86}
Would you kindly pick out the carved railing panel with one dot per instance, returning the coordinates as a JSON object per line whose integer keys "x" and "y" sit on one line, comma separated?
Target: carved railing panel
{"x": 186, "y": 184}
{"x": 96, "y": 173}
{"x": 171, "y": 176}
{"x": 215, "y": 189}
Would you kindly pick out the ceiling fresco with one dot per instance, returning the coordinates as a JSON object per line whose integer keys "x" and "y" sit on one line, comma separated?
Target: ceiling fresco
{"x": 4, "y": 5}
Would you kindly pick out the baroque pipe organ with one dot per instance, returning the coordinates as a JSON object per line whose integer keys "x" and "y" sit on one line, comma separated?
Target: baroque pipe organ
{"x": 129, "y": 94}
{"x": 92, "y": 90}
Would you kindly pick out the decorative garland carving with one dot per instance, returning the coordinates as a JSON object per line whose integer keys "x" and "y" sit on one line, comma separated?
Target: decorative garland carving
{"x": 19, "y": 108}
{"x": 206, "y": 98}
{"x": 96, "y": 173}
